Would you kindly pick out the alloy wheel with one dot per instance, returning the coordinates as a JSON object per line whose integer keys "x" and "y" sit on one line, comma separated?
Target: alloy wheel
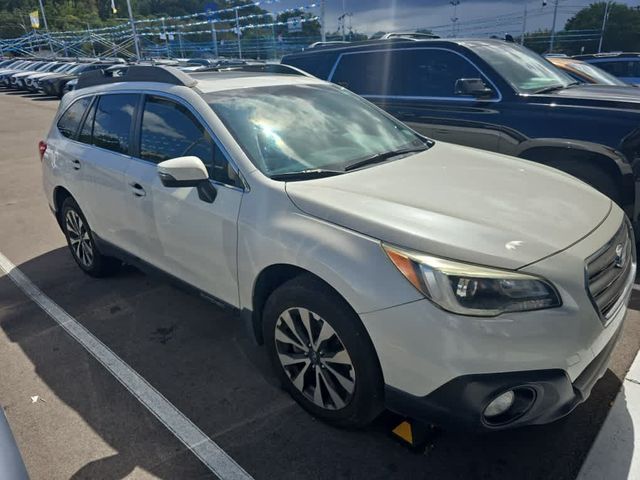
{"x": 79, "y": 238}
{"x": 314, "y": 358}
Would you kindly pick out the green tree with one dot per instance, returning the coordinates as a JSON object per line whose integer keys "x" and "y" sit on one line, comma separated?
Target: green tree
{"x": 622, "y": 32}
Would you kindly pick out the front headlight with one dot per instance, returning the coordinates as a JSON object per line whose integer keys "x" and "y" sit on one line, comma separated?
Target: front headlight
{"x": 470, "y": 289}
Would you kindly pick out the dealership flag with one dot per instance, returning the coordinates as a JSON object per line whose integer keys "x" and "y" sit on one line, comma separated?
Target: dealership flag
{"x": 35, "y": 19}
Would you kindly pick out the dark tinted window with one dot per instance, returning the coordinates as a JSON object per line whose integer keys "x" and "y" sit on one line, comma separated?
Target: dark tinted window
{"x": 70, "y": 120}
{"x": 621, "y": 68}
{"x": 113, "y": 121}
{"x": 427, "y": 73}
{"x": 170, "y": 130}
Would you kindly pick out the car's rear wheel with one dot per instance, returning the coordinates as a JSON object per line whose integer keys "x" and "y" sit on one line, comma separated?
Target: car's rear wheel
{"x": 82, "y": 244}
{"x": 322, "y": 353}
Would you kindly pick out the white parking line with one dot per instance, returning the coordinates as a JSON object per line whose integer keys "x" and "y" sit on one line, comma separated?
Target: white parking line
{"x": 615, "y": 454}
{"x": 176, "y": 422}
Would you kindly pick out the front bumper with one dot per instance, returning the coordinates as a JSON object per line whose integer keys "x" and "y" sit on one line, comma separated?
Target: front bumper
{"x": 440, "y": 365}
{"x": 460, "y": 403}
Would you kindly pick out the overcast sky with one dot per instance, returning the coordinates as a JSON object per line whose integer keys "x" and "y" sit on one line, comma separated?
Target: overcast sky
{"x": 476, "y": 17}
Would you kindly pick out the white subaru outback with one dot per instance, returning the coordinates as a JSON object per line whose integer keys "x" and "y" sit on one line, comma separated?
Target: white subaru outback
{"x": 378, "y": 267}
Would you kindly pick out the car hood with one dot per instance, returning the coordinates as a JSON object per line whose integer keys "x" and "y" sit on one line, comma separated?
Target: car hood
{"x": 35, "y": 76}
{"x": 24, "y": 74}
{"x": 460, "y": 203}
{"x": 60, "y": 76}
{"x": 611, "y": 93}
{"x": 10, "y": 71}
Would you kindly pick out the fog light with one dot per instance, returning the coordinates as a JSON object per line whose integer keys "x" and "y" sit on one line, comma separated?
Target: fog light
{"x": 500, "y": 404}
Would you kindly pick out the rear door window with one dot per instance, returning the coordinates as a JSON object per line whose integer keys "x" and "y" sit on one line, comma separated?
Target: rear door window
{"x": 71, "y": 118}
{"x": 417, "y": 73}
{"x": 112, "y": 122}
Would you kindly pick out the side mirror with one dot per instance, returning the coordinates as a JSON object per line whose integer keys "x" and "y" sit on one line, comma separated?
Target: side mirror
{"x": 473, "y": 87}
{"x": 187, "y": 172}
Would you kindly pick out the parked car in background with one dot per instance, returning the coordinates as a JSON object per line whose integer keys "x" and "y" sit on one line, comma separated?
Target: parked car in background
{"x": 30, "y": 82}
{"x": 17, "y": 80}
{"x": 378, "y": 267}
{"x": 497, "y": 96}
{"x": 625, "y": 66}
{"x": 585, "y": 72}
{"x": 18, "y": 67}
{"x": 54, "y": 85}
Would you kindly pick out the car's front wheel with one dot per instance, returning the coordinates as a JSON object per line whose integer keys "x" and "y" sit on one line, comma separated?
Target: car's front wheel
{"x": 322, "y": 353}
{"x": 82, "y": 244}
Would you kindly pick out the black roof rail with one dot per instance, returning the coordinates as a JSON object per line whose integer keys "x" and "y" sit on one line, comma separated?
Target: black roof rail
{"x": 135, "y": 73}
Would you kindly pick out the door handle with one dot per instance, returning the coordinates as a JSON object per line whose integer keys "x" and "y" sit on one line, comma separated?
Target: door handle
{"x": 137, "y": 190}
{"x": 76, "y": 164}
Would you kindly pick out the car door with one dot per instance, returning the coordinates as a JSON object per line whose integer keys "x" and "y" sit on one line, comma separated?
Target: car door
{"x": 180, "y": 233}
{"x": 67, "y": 149}
{"x": 418, "y": 86}
{"x": 107, "y": 128}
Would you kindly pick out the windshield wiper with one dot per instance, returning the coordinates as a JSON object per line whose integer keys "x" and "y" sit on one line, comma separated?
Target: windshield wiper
{"x": 555, "y": 88}
{"x": 381, "y": 157}
{"x": 306, "y": 174}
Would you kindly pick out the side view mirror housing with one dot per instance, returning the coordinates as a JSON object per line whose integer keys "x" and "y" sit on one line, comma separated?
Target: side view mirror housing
{"x": 473, "y": 87}
{"x": 188, "y": 171}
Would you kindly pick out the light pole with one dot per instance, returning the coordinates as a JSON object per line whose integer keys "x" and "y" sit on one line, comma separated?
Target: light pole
{"x": 552, "y": 41}
{"x": 46, "y": 27}
{"x": 604, "y": 25}
{"x": 524, "y": 23}
{"x": 454, "y": 19}
{"x": 180, "y": 38}
{"x": 323, "y": 33}
{"x": 214, "y": 38}
{"x": 133, "y": 30}
{"x": 238, "y": 33}
{"x": 93, "y": 48}
{"x": 166, "y": 38}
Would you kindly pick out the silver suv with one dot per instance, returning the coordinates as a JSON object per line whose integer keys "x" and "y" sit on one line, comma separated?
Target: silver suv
{"x": 378, "y": 267}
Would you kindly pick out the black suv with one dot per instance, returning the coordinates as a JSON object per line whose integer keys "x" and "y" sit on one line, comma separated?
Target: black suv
{"x": 497, "y": 96}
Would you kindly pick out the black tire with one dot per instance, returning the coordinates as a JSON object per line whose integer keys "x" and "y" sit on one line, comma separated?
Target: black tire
{"x": 94, "y": 264}
{"x": 365, "y": 402}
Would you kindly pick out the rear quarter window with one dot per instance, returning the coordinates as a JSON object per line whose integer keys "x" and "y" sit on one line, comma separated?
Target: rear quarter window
{"x": 70, "y": 120}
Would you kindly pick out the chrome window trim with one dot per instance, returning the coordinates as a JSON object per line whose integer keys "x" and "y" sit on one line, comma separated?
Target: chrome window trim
{"x": 414, "y": 97}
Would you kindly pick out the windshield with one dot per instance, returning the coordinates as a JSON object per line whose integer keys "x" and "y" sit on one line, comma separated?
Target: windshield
{"x": 526, "y": 71}
{"x": 79, "y": 68}
{"x": 62, "y": 68}
{"x": 293, "y": 128}
{"x": 596, "y": 74}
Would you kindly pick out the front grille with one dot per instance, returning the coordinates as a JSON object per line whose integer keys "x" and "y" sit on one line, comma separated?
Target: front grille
{"x": 611, "y": 273}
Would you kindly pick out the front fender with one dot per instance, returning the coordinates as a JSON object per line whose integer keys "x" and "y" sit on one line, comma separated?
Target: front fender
{"x": 274, "y": 231}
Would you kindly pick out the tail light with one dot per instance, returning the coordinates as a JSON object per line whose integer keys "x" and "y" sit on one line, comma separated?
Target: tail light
{"x": 42, "y": 148}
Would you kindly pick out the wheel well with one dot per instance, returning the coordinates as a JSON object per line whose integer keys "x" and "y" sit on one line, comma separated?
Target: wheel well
{"x": 60, "y": 194}
{"x": 267, "y": 282}
{"x": 574, "y": 161}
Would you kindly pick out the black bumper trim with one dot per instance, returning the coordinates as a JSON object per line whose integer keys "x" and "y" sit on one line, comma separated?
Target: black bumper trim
{"x": 461, "y": 401}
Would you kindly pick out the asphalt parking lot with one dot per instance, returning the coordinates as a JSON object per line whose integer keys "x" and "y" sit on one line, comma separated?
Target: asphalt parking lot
{"x": 73, "y": 419}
